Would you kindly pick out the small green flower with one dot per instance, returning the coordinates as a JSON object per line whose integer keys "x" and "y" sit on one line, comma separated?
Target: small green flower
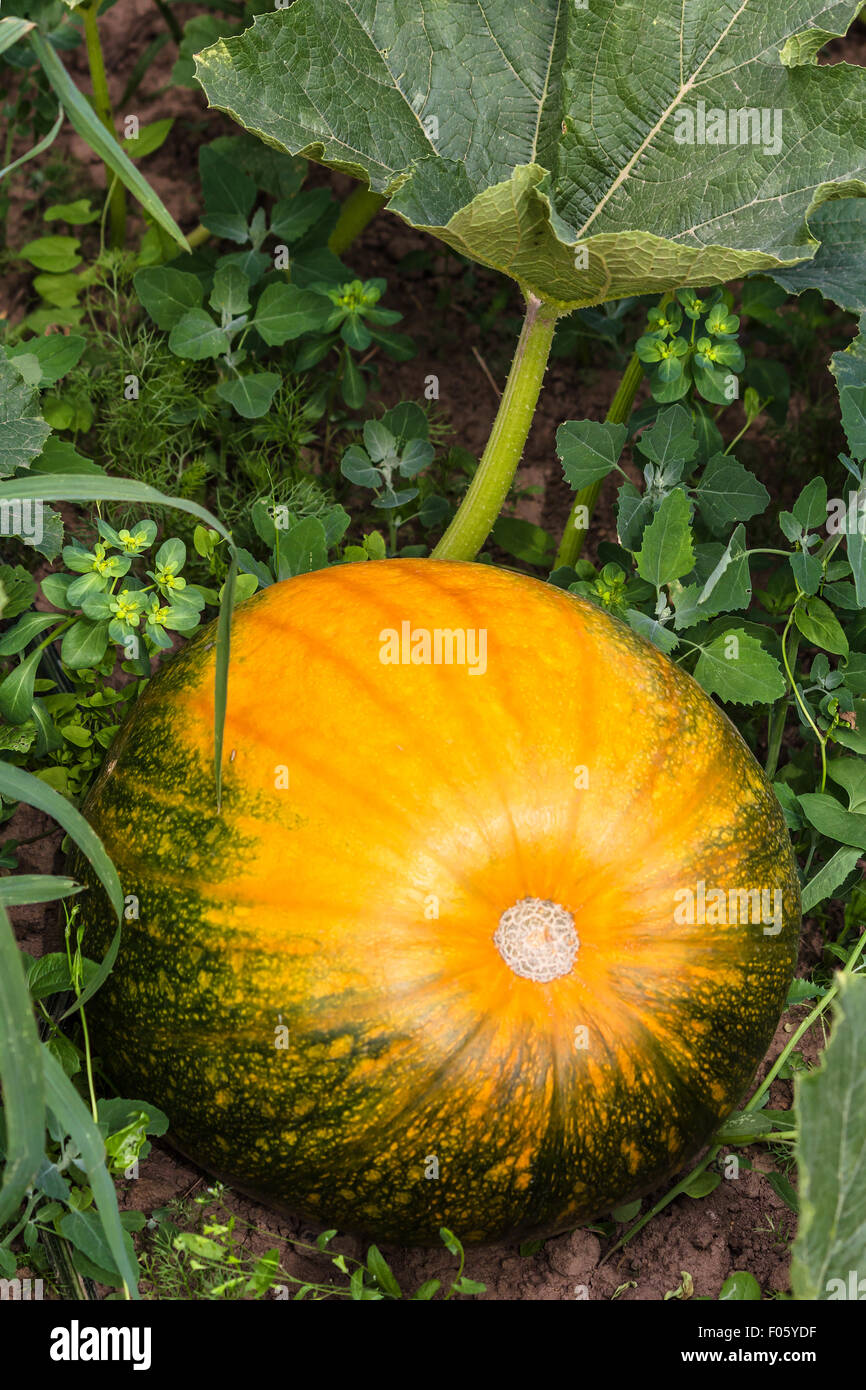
{"x": 696, "y": 306}
{"x": 666, "y": 355}
{"x": 721, "y": 323}
{"x": 166, "y": 578}
{"x": 665, "y": 321}
{"x": 722, "y": 354}
{"x": 130, "y": 542}
{"x": 126, "y": 606}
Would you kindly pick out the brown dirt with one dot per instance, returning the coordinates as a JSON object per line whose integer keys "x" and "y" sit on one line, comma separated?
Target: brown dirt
{"x": 743, "y": 1224}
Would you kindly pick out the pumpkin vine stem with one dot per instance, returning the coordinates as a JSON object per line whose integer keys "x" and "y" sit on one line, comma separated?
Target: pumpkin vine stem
{"x": 502, "y": 453}
{"x": 753, "y": 1103}
{"x": 356, "y": 212}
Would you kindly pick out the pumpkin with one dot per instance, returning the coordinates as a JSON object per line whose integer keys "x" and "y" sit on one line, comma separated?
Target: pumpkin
{"x": 494, "y": 924}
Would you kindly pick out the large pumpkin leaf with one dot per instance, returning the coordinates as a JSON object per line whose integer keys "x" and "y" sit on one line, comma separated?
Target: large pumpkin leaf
{"x": 830, "y": 1250}
{"x": 839, "y": 267}
{"x": 574, "y": 148}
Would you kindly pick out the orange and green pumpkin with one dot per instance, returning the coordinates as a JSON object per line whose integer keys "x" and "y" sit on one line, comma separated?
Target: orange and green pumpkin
{"x": 452, "y": 952}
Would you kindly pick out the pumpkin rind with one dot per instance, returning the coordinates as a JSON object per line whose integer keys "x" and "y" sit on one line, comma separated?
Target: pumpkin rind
{"x": 423, "y": 1083}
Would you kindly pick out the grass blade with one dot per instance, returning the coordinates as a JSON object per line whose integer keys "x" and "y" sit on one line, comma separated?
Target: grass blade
{"x": 23, "y": 786}
{"x": 38, "y": 148}
{"x": 78, "y": 487}
{"x": 221, "y": 675}
{"x": 12, "y": 29}
{"x": 20, "y": 1074}
{"x": 35, "y": 888}
{"x": 88, "y": 125}
{"x": 67, "y": 1105}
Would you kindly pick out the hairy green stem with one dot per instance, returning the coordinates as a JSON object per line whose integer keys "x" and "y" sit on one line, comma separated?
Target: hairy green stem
{"x": 502, "y": 453}
{"x": 102, "y": 106}
{"x": 356, "y": 212}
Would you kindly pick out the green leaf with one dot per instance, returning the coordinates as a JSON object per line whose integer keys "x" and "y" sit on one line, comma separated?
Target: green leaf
{"x": 831, "y": 877}
{"x": 825, "y": 813}
{"x": 564, "y": 171}
{"x": 225, "y": 187}
{"x": 522, "y": 539}
{"x": 292, "y": 217}
{"x": 354, "y": 391}
{"x": 84, "y": 120}
{"x": 633, "y": 511}
{"x": 379, "y": 441}
{"x": 728, "y": 492}
{"x": 783, "y": 1188}
{"x": 589, "y": 449}
{"x": 807, "y": 570}
{"x": 850, "y": 773}
{"x": 48, "y": 975}
{"x": 250, "y": 395}
{"x": 727, "y": 588}
{"x": 16, "y": 638}
{"x": 355, "y": 465}
{"x": 84, "y": 644}
{"x": 22, "y": 429}
{"x": 167, "y": 294}
{"x": 16, "y": 689}
{"x": 740, "y": 1287}
{"x": 831, "y": 1158}
{"x": 230, "y": 290}
{"x": 149, "y": 138}
{"x": 77, "y": 214}
{"x": 20, "y": 1075}
{"x": 624, "y": 1214}
{"x": 53, "y": 253}
{"x": 849, "y": 369}
{"x": 819, "y": 625}
{"x": 702, "y": 1184}
{"x": 284, "y": 312}
{"x": 61, "y": 456}
{"x": 196, "y": 336}
{"x": 652, "y": 630}
{"x": 666, "y": 548}
{"x": 382, "y": 1272}
{"x": 810, "y": 508}
{"x": 671, "y": 439}
{"x": 19, "y": 588}
{"x": 743, "y": 1127}
{"x": 56, "y": 354}
{"x": 304, "y": 548}
{"x": 735, "y": 667}
{"x": 838, "y": 269}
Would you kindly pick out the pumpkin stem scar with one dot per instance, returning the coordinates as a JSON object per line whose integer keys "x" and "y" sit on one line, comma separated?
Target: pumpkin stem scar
{"x": 537, "y": 940}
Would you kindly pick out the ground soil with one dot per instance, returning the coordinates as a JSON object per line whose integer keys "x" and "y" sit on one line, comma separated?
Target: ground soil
{"x": 743, "y": 1224}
